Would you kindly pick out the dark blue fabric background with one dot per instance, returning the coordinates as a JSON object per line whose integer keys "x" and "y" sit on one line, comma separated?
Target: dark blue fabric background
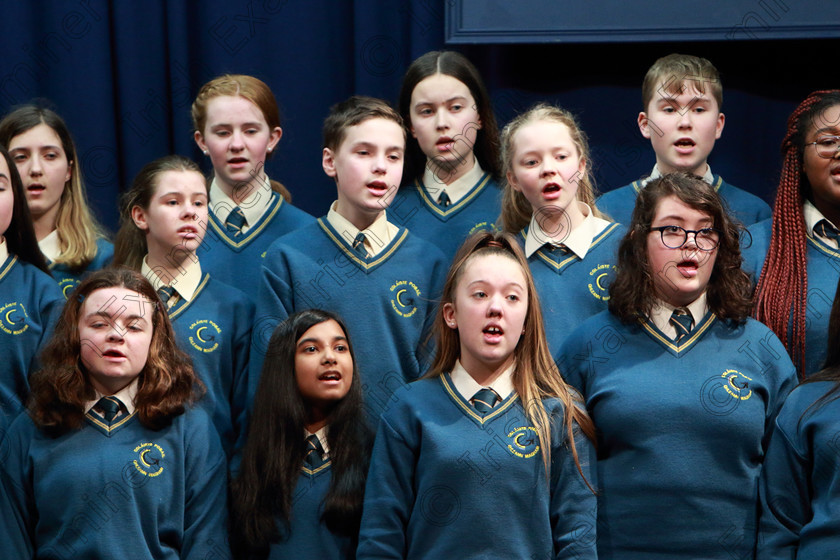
{"x": 124, "y": 74}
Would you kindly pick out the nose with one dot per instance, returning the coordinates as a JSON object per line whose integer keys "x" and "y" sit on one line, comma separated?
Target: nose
{"x": 237, "y": 141}
{"x": 685, "y": 116}
{"x": 549, "y": 167}
{"x": 380, "y": 163}
{"x": 35, "y": 168}
{"x": 494, "y": 307}
{"x": 441, "y": 119}
{"x": 115, "y": 335}
{"x": 329, "y": 356}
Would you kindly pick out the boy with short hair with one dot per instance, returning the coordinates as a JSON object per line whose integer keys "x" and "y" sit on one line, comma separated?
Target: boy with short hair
{"x": 682, "y": 97}
{"x": 383, "y": 281}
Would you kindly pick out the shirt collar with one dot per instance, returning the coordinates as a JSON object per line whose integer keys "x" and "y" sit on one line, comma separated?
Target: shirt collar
{"x": 4, "y": 250}
{"x": 579, "y": 240}
{"x": 185, "y": 283}
{"x": 126, "y": 396}
{"x": 709, "y": 177}
{"x": 377, "y": 236}
{"x": 253, "y": 207}
{"x": 322, "y": 437}
{"x": 467, "y": 386}
{"x": 50, "y": 245}
{"x": 812, "y": 218}
{"x": 660, "y": 315}
{"x": 459, "y": 187}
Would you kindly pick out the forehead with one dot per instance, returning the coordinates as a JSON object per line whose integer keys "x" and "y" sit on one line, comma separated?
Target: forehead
{"x": 112, "y": 300}
{"x": 326, "y": 330}
{"x": 39, "y": 135}
{"x": 670, "y": 88}
{"x": 826, "y": 120}
{"x": 232, "y": 109}
{"x": 4, "y": 168}
{"x": 183, "y": 181}
{"x": 672, "y": 207}
{"x": 376, "y": 131}
{"x": 492, "y": 268}
{"x": 439, "y": 87}
{"x": 542, "y": 133}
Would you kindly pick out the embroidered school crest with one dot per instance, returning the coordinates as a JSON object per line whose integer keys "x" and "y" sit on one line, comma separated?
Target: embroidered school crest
{"x": 599, "y": 281}
{"x": 523, "y": 442}
{"x": 13, "y": 318}
{"x": 404, "y": 298}
{"x": 149, "y": 461}
{"x": 205, "y": 335}
{"x": 737, "y": 384}
{"x": 67, "y": 285}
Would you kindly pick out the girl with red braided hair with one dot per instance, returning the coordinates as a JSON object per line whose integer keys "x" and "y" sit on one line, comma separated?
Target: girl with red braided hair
{"x": 800, "y": 243}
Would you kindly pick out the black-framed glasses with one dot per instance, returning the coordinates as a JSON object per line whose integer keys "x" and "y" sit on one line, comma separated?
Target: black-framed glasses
{"x": 674, "y": 237}
{"x": 826, "y": 146}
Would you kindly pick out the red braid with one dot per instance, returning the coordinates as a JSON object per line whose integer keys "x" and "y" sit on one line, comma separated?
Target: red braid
{"x": 781, "y": 295}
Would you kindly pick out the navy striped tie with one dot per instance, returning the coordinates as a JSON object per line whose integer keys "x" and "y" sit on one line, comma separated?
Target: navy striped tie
{"x": 682, "y": 321}
{"x": 314, "y": 452}
{"x": 110, "y": 407}
{"x": 484, "y": 400}
{"x": 235, "y": 221}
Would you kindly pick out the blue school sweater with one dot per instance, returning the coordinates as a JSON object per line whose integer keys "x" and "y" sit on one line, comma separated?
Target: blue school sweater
{"x": 214, "y": 328}
{"x": 236, "y": 260}
{"x": 127, "y": 492}
{"x": 445, "y": 482}
{"x": 68, "y": 278}
{"x": 800, "y": 482}
{"x": 415, "y": 207}
{"x": 748, "y": 208}
{"x": 823, "y": 266}
{"x": 571, "y": 289}
{"x": 682, "y": 432}
{"x": 388, "y": 301}
{"x": 307, "y": 536}
{"x": 30, "y": 304}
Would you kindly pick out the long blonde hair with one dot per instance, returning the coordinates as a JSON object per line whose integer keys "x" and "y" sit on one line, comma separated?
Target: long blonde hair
{"x": 77, "y": 229}
{"x": 516, "y": 210}
{"x": 535, "y": 375}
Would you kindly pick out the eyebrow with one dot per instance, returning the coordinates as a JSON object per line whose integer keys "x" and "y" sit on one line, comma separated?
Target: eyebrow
{"x": 105, "y": 315}
{"x": 312, "y": 339}
{"x": 453, "y": 98}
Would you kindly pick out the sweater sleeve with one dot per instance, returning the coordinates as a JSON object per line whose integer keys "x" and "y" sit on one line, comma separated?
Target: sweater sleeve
{"x": 17, "y": 508}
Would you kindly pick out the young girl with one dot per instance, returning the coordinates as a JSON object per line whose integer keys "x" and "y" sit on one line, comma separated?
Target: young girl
{"x": 303, "y": 473}
{"x": 549, "y": 201}
{"x": 489, "y": 455}
{"x": 45, "y": 155}
{"x": 30, "y": 301}
{"x": 162, "y": 216}
{"x": 237, "y": 124}
{"x": 802, "y": 263}
{"x": 451, "y": 161}
{"x": 800, "y": 494}
{"x": 110, "y": 462}
{"x": 683, "y": 387}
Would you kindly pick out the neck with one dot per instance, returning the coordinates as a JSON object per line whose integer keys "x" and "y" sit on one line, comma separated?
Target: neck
{"x": 44, "y": 224}
{"x": 449, "y": 172}
{"x": 485, "y": 373}
{"x": 361, "y": 220}
{"x": 316, "y": 420}
{"x": 169, "y": 265}
{"x": 830, "y": 211}
{"x": 700, "y": 170}
{"x": 241, "y": 191}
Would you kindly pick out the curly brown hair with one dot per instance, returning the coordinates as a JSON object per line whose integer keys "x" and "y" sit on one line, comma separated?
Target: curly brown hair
{"x": 632, "y": 293}
{"x": 61, "y": 387}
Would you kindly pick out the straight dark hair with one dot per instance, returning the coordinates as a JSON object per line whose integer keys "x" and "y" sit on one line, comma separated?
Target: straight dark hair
{"x": 20, "y": 235}
{"x": 274, "y": 453}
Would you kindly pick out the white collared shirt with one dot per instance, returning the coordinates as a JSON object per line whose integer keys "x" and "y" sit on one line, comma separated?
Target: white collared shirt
{"x": 50, "y": 246}
{"x": 185, "y": 283}
{"x": 377, "y": 236}
{"x": 253, "y": 207}
{"x": 126, "y": 395}
{"x": 458, "y": 189}
{"x": 578, "y": 240}
{"x": 660, "y": 315}
{"x": 656, "y": 174}
{"x": 812, "y": 218}
{"x": 468, "y": 387}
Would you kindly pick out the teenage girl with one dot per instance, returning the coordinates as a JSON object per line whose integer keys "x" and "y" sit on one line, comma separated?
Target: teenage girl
{"x": 30, "y": 301}
{"x": 800, "y": 481}
{"x": 451, "y": 163}
{"x": 488, "y": 456}
{"x": 237, "y": 124}
{"x": 46, "y": 158}
{"x": 110, "y": 461}
{"x": 161, "y": 229}
{"x": 683, "y": 387}
{"x": 299, "y": 493}
{"x": 549, "y": 202}
{"x": 802, "y": 263}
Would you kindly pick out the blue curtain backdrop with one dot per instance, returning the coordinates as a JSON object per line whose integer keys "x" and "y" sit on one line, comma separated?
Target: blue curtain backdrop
{"x": 123, "y": 74}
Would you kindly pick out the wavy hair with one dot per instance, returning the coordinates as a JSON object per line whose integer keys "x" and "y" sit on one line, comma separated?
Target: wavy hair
{"x": 75, "y": 224}
{"x": 633, "y": 293}
{"x": 248, "y": 87}
{"x": 782, "y": 291}
{"x": 535, "y": 375}
{"x": 20, "y": 235}
{"x": 273, "y": 454}
{"x": 516, "y": 210}
{"x": 60, "y": 389}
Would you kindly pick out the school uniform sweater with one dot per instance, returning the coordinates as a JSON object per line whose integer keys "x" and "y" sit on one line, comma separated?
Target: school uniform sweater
{"x": 123, "y": 492}
{"x": 236, "y": 260}
{"x": 445, "y": 482}
{"x": 68, "y": 279}
{"x": 415, "y": 207}
{"x": 618, "y": 203}
{"x": 30, "y": 304}
{"x": 800, "y": 482}
{"x": 682, "y": 432}
{"x": 388, "y": 301}
{"x": 823, "y": 266}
